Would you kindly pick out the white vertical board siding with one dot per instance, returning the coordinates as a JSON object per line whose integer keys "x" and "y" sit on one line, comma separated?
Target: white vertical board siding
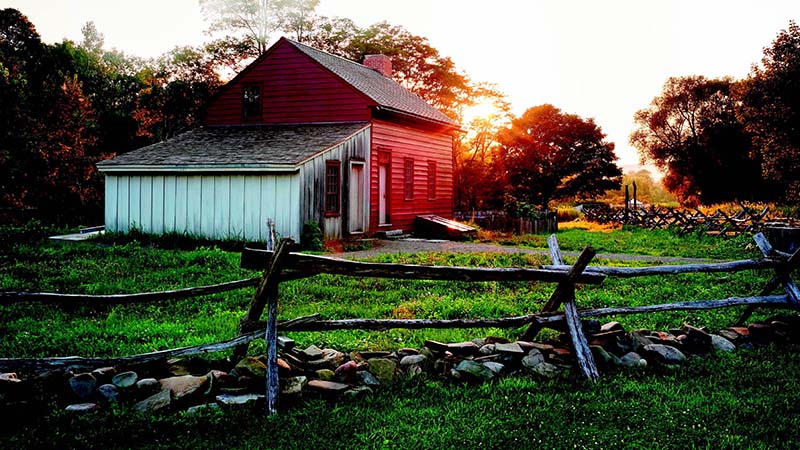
{"x": 111, "y": 202}
{"x": 157, "y": 202}
{"x": 217, "y": 206}
{"x": 312, "y": 198}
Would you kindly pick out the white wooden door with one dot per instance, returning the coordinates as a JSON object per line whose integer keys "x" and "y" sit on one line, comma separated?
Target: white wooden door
{"x": 383, "y": 218}
{"x": 357, "y": 198}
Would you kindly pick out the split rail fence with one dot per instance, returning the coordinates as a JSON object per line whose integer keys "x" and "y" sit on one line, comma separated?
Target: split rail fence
{"x": 745, "y": 221}
{"x": 282, "y": 265}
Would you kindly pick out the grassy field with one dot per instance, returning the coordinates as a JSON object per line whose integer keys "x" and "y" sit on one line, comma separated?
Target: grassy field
{"x": 743, "y": 400}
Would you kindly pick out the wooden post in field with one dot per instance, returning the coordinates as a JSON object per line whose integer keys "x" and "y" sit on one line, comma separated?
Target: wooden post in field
{"x": 565, "y": 293}
{"x": 627, "y": 200}
{"x": 267, "y": 287}
{"x": 781, "y": 277}
{"x": 635, "y": 205}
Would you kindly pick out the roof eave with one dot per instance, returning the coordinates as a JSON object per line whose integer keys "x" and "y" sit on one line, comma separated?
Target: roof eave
{"x": 197, "y": 168}
{"x": 401, "y": 112}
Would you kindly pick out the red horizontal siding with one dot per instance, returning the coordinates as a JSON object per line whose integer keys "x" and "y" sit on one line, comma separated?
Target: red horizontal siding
{"x": 294, "y": 89}
{"x": 422, "y": 146}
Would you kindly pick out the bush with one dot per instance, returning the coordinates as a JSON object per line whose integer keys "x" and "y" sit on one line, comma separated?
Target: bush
{"x": 311, "y": 237}
{"x": 567, "y": 214}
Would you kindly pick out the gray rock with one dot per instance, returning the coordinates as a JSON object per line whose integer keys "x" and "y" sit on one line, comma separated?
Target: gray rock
{"x": 125, "y": 380}
{"x": 464, "y": 348}
{"x": 533, "y": 359}
{"x": 471, "y": 370}
{"x": 721, "y": 344}
{"x": 311, "y": 353}
{"x": 495, "y": 367}
{"x": 632, "y": 359}
{"x": 413, "y": 370}
{"x": 359, "y": 391}
{"x": 487, "y": 349}
{"x": 383, "y": 369}
{"x": 251, "y": 367}
{"x": 82, "y": 408}
{"x": 403, "y": 352}
{"x": 239, "y": 400}
{"x": 664, "y": 354}
{"x": 330, "y": 359}
{"x": 83, "y": 384}
{"x": 480, "y": 342}
{"x": 546, "y": 370}
{"x": 293, "y": 385}
{"x": 729, "y": 335}
{"x": 109, "y": 393}
{"x": 148, "y": 385}
{"x": 512, "y": 348}
{"x": 327, "y": 387}
{"x": 639, "y": 340}
{"x": 202, "y": 408}
{"x": 155, "y": 403}
{"x": 411, "y": 360}
{"x": 368, "y": 379}
{"x": 603, "y": 357}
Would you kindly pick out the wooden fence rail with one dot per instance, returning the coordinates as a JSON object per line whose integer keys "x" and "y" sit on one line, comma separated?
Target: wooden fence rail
{"x": 719, "y": 223}
{"x": 282, "y": 265}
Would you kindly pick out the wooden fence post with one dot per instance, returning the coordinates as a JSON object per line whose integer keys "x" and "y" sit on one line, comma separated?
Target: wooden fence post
{"x": 267, "y": 287}
{"x": 781, "y": 277}
{"x": 565, "y": 293}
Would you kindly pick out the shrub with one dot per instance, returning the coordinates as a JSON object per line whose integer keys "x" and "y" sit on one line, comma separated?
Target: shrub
{"x": 311, "y": 237}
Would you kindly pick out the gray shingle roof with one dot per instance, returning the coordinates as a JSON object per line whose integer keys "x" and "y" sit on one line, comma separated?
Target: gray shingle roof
{"x": 240, "y": 146}
{"x": 384, "y": 91}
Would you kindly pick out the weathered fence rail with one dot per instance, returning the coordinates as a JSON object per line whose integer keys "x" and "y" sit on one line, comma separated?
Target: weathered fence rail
{"x": 500, "y": 221}
{"x": 745, "y": 221}
{"x": 283, "y": 265}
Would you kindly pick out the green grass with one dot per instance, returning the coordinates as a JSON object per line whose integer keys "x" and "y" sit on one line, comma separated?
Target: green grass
{"x": 639, "y": 241}
{"x": 743, "y": 400}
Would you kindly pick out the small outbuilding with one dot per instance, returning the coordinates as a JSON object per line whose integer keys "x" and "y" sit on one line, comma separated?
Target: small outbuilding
{"x": 300, "y": 135}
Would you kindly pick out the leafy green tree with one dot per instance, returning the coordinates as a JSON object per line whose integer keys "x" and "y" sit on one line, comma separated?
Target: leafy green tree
{"x": 691, "y": 133}
{"x": 546, "y": 154}
{"x": 771, "y": 111}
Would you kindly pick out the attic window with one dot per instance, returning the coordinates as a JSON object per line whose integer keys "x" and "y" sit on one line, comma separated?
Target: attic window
{"x": 251, "y": 102}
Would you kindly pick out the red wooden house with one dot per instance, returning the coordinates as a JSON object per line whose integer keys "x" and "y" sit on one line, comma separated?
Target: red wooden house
{"x": 299, "y": 135}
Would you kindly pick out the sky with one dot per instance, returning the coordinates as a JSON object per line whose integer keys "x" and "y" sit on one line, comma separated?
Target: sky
{"x": 600, "y": 59}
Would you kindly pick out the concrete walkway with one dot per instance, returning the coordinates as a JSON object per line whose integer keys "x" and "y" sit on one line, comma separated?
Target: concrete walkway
{"x": 427, "y": 245}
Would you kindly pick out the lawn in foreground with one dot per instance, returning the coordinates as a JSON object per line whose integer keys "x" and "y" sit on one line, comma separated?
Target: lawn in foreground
{"x": 740, "y": 400}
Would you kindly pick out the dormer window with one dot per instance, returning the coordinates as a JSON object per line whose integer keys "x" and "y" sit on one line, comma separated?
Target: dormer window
{"x": 251, "y": 102}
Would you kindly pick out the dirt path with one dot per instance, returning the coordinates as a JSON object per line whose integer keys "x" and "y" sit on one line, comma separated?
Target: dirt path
{"x": 425, "y": 245}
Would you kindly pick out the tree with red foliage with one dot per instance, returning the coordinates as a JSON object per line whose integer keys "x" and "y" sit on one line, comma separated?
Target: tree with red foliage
{"x": 546, "y": 154}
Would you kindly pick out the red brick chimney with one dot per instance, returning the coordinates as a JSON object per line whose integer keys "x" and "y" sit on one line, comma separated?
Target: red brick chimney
{"x": 380, "y": 63}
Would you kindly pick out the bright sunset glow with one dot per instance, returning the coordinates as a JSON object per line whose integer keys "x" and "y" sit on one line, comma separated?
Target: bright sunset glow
{"x": 597, "y": 59}
{"x": 481, "y": 110}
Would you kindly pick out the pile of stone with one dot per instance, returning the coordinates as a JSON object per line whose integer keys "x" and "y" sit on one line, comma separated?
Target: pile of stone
{"x": 197, "y": 384}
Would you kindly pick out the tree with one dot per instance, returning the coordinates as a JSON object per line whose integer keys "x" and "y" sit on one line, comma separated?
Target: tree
{"x": 771, "y": 111}
{"x": 692, "y": 134}
{"x": 416, "y": 64}
{"x": 546, "y": 154}
{"x": 257, "y": 20}
{"x": 475, "y": 182}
